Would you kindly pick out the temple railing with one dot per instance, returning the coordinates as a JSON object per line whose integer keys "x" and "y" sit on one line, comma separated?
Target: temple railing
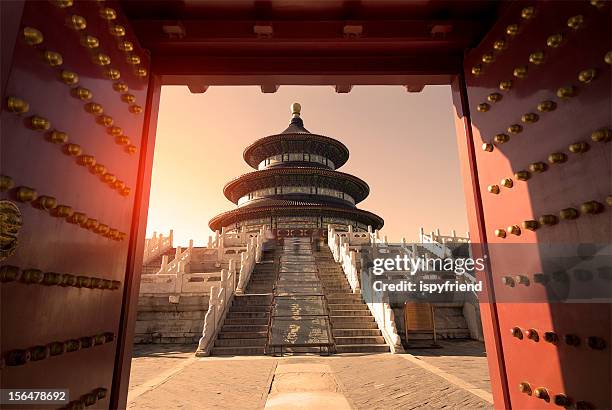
{"x": 156, "y": 246}
{"x": 179, "y": 263}
{"x": 232, "y": 282}
{"x": 230, "y": 244}
{"x": 436, "y": 243}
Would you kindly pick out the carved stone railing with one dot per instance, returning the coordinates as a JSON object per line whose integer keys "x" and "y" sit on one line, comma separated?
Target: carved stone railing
{"x": 436, "y": 243}
{"x": 156, "y": 246}
{"x": 179, "y": 263}
{"x": 230, "y": 244}
{"x": 360, "y": 281}
{"x": 231, "y": 283}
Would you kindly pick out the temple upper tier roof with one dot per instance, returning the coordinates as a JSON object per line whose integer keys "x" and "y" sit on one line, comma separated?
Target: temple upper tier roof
{"x": 296, "y": 139}
{"x": 301, "y": 176}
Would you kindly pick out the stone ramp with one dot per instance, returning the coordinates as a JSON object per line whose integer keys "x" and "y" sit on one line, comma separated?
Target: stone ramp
{"x": 300, "y": 317}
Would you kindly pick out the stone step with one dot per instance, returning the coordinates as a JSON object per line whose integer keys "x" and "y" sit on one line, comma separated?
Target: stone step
{"x": 242, "y": 335}
{"x": 334, "y": 312}
{"x": 244, "y": 328}
{"x": 348, "y": 295}
{"x": 243, "y": 315}
{"x": 250, "y": 308}
{"x": 240, "y": 342}
{"x": 246, "y": 321}
{"x": 362, "y": 348}
{"x": 356, "y": 340}
{"x": 341, "y": 324}
{"x": 348, "y": 306}
{"x": 343, "y": 297}
{"x": 346, "y": 319}
{"x": 356, "y": 332}
{"x": 337, "y": 289}
{"x": 335, "y": 282}
{"x": 238, "y": 351}
{"x": 252, "y": 299}
{"x": 261, "y": 283}
{"x": 251, "y": 289}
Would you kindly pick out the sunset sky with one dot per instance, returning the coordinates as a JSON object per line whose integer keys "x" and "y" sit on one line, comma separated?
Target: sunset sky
{"x": 402, "y": 144}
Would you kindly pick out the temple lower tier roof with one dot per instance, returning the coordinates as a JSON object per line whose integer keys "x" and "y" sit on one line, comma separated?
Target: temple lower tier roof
{"x": 297, "y": 176}
{"x": 292, "y": 209}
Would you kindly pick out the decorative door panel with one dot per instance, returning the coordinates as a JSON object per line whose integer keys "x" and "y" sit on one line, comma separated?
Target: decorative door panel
{"x": 539, "y": 89}
{"x": 72, "y": 124}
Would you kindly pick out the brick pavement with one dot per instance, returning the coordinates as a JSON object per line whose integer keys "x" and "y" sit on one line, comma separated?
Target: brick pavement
{"x": 377, "y": 381}
{"x": 466, "y": 359}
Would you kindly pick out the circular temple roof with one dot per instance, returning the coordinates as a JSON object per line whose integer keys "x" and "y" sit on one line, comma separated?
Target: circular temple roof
{"x": 294, "y": 141}
{"x": 320, "y": 177}
{"x": 294, "y": 208}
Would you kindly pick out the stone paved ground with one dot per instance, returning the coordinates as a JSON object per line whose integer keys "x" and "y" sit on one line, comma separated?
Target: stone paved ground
{"x": 171, "y": 378}
{"x": 465, "y": 359}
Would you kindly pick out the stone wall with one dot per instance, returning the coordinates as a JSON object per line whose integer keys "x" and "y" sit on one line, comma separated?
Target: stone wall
{"x": 170, "y": 319}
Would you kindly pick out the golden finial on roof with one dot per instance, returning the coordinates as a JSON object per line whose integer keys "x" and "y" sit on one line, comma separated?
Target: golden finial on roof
{"x": 295, "y": 109}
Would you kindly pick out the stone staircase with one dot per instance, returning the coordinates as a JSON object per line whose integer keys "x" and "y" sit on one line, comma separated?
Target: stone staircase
{"x": 245, "y": 329}
{"x": 354, "y": 328}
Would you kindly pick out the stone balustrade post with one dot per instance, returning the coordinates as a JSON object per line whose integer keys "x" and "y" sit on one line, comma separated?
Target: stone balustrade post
{"x": 220, "y": 247}
{"x": 164, "y": 263}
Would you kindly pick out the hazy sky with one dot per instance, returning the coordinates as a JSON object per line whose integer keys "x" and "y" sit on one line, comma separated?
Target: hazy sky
{"x": 402, "y": 144}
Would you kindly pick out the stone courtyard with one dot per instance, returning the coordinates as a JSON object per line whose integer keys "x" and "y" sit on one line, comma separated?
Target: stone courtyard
{"x": 171, "y": 377}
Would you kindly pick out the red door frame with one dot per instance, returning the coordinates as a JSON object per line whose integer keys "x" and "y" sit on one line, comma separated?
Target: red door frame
{"x": 123, "y": 359}
{"x": 478, "y": 235}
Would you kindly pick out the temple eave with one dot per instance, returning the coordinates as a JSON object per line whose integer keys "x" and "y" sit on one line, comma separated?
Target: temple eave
{"x": 271, "y": 177}
{"x": 296, "y": 142}
{"x": 292, "y": 210}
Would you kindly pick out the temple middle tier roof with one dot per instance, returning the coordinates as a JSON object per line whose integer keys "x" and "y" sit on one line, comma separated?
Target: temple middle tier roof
{"x": 296, "y": 176}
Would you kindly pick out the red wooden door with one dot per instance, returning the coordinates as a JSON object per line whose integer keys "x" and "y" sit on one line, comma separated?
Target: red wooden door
{"x": 73, "y": 164}
{"x": 537, "y": 166}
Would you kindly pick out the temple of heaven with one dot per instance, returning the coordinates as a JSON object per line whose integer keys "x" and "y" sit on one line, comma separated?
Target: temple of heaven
{"x": 296, "y": 189}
